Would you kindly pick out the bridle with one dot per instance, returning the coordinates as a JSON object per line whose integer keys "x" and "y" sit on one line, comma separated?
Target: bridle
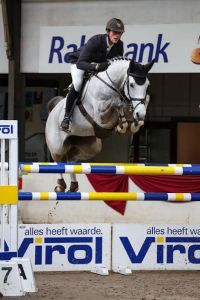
{"x": 129, "y": 100}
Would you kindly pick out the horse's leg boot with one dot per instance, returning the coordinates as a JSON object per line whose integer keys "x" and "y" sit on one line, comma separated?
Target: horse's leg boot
{"x": 73, "y": 186}
{"x": 66, "y": 123}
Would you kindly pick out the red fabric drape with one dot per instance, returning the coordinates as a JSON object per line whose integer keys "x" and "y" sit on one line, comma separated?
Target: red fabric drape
{"x": 167, "y": 184}
{"x": 111, "y": 183}
{"x": 119, "y": 183}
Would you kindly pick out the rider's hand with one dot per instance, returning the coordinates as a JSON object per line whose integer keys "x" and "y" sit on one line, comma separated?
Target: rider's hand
{"x": 103, "y": 66}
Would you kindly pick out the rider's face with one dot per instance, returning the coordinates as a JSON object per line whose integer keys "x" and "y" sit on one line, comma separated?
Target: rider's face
{"x": 114, "y": 36}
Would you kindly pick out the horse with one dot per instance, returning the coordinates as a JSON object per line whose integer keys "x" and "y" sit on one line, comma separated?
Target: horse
{"x": 114, "y": 100}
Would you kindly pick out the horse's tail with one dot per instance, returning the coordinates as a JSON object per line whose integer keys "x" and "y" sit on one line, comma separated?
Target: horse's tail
{"x": 53, "y": 102}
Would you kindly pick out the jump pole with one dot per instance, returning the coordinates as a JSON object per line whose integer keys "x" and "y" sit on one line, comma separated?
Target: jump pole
{"x": 108, "y": 164}
{"x": 86, "y": 168}
{"x": 131, "y": 196}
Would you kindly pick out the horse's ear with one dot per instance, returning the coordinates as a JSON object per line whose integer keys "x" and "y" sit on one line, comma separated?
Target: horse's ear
{"x": 131, "y": 66}
{"x": 148, "y": 66}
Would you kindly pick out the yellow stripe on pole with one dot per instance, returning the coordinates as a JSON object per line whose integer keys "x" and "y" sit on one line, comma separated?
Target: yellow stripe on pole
{"x": 113, "y": 164}
{"x": 179, "y": 196}
{"x": 78, "y": 169}
{"x": 149, "y": 170}
{"x": 26, "y": 168}
{"x": 8, "y": 194}
{"x": 112, "y": 196}
{"x": 44, "y": 196}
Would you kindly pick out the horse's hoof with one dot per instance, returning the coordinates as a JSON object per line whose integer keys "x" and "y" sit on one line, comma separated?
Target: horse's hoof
{"x": 61, "y": 187}
{"x": 73, "y": 186}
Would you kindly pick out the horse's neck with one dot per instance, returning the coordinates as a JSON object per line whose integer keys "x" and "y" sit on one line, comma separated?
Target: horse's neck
{"x": 103, "y": 102}
{"x": 117, "y": 73}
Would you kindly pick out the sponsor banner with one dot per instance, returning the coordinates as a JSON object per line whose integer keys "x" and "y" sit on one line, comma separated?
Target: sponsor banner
{"x": 66, "y": 247}
{"x": 156, "y": 247}
{"x": 8, "y": 129}
{"x": 175, "y": 47}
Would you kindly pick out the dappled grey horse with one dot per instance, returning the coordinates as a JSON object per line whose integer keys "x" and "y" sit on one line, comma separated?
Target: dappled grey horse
{"x": 113, "y": 100}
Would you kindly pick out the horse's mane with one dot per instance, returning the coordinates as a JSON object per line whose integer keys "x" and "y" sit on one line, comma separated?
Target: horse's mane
{"x": 118, "y": 58}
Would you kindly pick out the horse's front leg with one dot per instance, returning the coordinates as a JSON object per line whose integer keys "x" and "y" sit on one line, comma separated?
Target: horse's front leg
{"x": 122, "y": 122}
{"x": 74, "y": 183}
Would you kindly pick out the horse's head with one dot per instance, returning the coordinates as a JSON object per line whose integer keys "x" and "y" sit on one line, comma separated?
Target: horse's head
{"x": 135, "y": 89}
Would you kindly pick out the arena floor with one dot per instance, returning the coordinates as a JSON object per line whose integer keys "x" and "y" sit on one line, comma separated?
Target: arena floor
{"x": 141, "y": 285}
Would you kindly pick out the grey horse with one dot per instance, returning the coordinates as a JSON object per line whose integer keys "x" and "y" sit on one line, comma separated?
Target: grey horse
{"x": 113, "y": 100}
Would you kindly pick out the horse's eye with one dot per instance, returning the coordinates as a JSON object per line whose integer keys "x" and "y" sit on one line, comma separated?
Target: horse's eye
{"x": 132, "y": 85}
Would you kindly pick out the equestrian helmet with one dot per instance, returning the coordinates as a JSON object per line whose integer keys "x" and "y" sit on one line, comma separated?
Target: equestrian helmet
{"x": 115, "y": 24}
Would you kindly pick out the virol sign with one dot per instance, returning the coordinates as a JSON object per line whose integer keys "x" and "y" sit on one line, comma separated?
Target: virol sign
{"x": 156, "y": 247}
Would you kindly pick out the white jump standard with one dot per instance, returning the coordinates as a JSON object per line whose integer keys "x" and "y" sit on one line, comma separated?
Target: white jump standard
{"x": 16, "y": 275}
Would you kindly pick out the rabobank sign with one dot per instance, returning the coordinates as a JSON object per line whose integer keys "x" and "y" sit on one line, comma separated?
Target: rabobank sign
{"x": 171, "y": 45}
{"x": 149, "y": 247}
{"x": 59, "y": 50}
{"x": 66, "y": 247}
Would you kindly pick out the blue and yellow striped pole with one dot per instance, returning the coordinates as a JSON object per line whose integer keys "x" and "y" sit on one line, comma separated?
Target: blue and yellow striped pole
{"x": 131, "y": 196}
{"x": 87, "y": 168}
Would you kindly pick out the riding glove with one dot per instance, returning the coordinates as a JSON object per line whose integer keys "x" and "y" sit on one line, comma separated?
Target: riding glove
{"x": 103, "y": 66}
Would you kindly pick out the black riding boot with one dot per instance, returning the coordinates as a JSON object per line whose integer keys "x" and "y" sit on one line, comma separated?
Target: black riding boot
{"x": 72, "y": 95}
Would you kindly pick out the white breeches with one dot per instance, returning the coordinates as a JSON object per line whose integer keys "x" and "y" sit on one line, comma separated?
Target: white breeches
{"x": 77, "y": 77}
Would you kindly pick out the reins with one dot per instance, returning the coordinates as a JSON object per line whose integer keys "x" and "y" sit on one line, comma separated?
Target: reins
{"x": 121, "y": 92}
{"x": 114, "y": 88}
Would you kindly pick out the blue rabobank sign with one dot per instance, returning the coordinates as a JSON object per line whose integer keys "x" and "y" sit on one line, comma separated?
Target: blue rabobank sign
{"x": 171, "y": 45}
{"x": 60, "y": 48}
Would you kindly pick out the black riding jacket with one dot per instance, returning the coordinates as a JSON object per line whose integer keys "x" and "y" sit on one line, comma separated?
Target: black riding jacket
{"x": 95, "y": 51}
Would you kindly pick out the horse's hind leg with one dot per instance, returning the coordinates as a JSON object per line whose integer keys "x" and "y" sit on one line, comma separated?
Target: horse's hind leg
{"x": 74, "y": 183}
{"x": 61, "y": 184}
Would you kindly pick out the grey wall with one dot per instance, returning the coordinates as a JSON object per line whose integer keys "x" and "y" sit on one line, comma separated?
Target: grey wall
{"x": 97, "y": 12}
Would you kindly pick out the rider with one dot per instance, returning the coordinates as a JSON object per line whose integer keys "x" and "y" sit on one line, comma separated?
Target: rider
{"x": 92, "y": 57}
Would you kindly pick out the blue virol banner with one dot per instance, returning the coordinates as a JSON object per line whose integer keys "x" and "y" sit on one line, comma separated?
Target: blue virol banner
{"x": 8, "y": 129}
{"x": 66, "y": 247}
{"x": 156, "y": 247}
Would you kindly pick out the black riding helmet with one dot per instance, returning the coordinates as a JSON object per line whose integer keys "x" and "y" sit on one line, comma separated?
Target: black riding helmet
{"x": 115, "y": 24}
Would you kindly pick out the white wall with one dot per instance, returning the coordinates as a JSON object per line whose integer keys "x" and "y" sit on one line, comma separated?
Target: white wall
{"x": 36, "y": 14}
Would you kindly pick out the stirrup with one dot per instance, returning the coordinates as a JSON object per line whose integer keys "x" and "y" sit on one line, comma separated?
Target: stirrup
{"x": 66, "y": 124}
